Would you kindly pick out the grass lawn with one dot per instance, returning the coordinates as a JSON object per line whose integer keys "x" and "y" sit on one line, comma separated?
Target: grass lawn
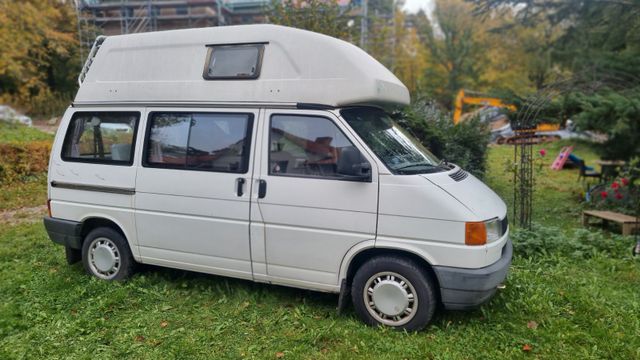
{"x": 21, "y": 133}
{"x": 25, "y": 194}
{"x": 555, "y": 305}
{"x": 558, "y": 196}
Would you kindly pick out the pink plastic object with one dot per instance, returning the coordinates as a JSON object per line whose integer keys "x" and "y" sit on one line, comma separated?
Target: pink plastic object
{"x": 558, "y": 163}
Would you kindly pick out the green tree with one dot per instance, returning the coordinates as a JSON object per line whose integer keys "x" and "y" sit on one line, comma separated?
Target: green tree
{"x": 455, "y": 43}
{"x": 597, "y": 43}
{"x": 322, "y": 16}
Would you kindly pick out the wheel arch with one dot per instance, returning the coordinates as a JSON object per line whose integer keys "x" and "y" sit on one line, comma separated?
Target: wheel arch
{"x": 94, "y": 221}
{"x": 364, "y": 255}
{"x": 366, "y": 250}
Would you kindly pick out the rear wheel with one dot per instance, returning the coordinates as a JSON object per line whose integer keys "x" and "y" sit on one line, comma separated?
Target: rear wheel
{"x": 393, "y": 291}
{"x": 106, "y": 255}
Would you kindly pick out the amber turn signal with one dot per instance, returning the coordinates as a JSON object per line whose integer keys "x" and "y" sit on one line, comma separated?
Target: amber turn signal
{"x": 475, "y": 233}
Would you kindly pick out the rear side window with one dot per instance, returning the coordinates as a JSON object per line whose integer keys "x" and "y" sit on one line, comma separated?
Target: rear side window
{"x": 101, "y": 137}
{"x": 233, "y": 61}
{"x": 199, "y": 141}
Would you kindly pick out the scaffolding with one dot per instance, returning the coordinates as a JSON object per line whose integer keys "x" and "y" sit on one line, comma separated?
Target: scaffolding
{"x": 113, "y": 17}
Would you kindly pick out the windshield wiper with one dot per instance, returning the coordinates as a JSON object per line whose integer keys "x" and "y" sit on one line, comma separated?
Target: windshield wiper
{"x": 413, "y": 165}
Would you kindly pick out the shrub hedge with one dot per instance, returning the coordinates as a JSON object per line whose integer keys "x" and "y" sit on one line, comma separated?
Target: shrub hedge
{"x": 22, "y": 161}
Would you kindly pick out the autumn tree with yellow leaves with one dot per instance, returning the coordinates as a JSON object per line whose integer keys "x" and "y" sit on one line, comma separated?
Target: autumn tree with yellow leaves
{"x": 39, "y": 59}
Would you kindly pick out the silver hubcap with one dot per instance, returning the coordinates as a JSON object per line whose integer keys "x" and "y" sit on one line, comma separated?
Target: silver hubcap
{"x": 104, "y": 258}
{"x": 390, "y": 298}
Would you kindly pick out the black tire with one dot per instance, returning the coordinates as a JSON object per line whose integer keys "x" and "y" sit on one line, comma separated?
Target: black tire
{"x": 113, "y": 243}
{"x": 419, "y": 284}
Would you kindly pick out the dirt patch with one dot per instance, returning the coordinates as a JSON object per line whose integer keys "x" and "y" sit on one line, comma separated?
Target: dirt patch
{"x": 23, "y": 215}
{"x": 48, "y": 126}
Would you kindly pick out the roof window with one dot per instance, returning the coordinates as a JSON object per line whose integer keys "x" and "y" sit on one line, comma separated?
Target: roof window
{"x": 229, "y": 62}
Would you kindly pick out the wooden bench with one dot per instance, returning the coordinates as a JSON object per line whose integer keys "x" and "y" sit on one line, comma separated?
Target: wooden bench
{"x": 628, "y": 222}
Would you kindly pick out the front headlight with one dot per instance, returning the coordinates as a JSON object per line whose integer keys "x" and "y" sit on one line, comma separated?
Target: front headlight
{"x": 494, "y": 229}
{"x": 482, "y": 232}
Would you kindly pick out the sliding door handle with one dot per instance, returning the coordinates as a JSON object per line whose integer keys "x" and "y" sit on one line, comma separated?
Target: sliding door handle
{"x": 262, "y": 189}
{"x": 240, "y": 186}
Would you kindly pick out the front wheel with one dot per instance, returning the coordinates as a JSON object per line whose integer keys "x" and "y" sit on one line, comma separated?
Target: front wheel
{"x": 394, "y": 291}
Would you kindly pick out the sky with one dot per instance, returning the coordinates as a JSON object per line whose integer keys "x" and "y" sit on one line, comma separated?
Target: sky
{"x": 415, "y": 5}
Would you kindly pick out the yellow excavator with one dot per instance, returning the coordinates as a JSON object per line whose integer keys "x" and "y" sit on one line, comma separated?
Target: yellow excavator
{"x": 473, "y": 98}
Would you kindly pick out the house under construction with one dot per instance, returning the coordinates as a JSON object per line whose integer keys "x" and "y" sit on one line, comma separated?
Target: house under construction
{"x": 113, "y": 17}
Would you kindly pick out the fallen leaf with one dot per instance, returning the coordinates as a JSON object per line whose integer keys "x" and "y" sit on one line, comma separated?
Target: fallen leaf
{"x": 279, "y": 355}
{"x": 532, "y": 325}
{"x": 527, "y": 347}
{"x": 164, "y": 324}
{"x": 139, "y": 338}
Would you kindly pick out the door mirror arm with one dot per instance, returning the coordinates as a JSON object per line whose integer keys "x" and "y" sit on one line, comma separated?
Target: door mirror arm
{"x": 360, "y": 172}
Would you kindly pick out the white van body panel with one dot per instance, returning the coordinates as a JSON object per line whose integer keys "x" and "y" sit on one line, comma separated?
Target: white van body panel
{"x": 298, "y": 67}
{"x": 473, "y": 193}
{"x": 195, "y": 218}
{"x": 417, "y": 215}
{"x": 80, "y": 205}
{"x": 311, "y": 223}
{"x": 450, "y": 255}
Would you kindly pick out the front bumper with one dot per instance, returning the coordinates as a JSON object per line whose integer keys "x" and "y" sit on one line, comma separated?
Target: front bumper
{"x": 64, "y": 232}
{"x": 463, "y": 289}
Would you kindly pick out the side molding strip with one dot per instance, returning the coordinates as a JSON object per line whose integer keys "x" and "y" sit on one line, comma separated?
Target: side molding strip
{"x": 96, "y": 188}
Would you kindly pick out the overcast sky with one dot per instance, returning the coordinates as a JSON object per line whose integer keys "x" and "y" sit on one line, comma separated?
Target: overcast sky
{"x": 415, "y": 5}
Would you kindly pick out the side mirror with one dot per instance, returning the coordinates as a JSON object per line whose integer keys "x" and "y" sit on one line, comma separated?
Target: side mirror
{"x": 353, "y": 166}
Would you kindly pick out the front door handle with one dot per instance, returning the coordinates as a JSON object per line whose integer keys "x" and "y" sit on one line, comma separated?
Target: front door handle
{"x": 240, "y": 186}
{"x": 262, "y": 189}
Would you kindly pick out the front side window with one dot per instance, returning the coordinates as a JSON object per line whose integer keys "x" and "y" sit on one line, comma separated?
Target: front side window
{"x": 101, "y": 137}
{"x": 306, "y": 146}
{"x": 397, "y": 149}
{"x": 234, "y": 61}
{"x": 199, "y": 141}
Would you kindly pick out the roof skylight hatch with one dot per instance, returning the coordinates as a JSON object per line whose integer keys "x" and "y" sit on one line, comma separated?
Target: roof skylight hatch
{"x": 233, "y": 62}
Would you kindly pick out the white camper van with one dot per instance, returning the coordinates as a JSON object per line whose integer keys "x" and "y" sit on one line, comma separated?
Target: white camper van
{"x": 263, "y": 153}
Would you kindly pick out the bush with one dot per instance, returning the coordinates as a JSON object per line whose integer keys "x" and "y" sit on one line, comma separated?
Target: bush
{"x": 464, "y": 144}
{"x": 22, "y": 161}
{"x": 581, "y": 243}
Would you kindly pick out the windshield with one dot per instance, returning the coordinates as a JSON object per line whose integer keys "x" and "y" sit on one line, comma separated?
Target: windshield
{"x": 399, "y": 151}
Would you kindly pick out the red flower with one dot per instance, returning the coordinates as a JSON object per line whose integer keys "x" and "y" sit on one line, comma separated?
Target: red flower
{"x": 542, "y": 152}
{"x": 619, "y": 196}
{"x": 624, "y": 181}
{"x": 603, "y": 194}
{"x": 615, "y": 185}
